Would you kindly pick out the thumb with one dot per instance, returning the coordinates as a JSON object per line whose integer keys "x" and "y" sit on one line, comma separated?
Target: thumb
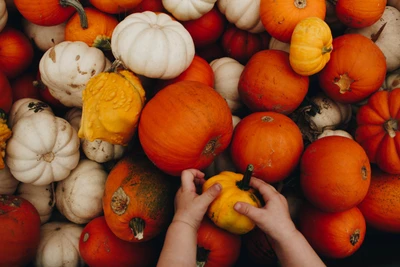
{"x": 208, "y": 196}
{"x": 247, "y": 210}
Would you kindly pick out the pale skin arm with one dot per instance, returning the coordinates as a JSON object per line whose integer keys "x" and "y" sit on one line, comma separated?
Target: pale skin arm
{"x": 290, "y": 246}
{"x": 180, "y": 244}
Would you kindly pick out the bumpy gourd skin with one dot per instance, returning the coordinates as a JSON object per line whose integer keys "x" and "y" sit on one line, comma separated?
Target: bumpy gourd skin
{"x": 221, "y": 210}
{"x": 5, "y": 134}
{"x": 112, "y": 103}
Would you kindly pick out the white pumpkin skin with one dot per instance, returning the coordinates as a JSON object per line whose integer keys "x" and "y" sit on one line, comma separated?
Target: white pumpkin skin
{"x": 153, "y": 45}
{"x": 328, "y": 132}
{"x": 26, "y": 107}
{"x": 67, "y": 67}
{"x": 59, "y": 245}
{"x": 278, "y": 45}
{"x": 43, "y": 149}
{"x": 42, "y": 198}
{"x": 3, "y": 14}
{"x": 8, "y": 184}
{"x": 245, "y": 14}
{"x": 44, "y": 37}
{"x": 227, "y": 73}
{"x": 79, "y": 196}
{"x": 392, "y": 80}
{"x": 184, "y": 10}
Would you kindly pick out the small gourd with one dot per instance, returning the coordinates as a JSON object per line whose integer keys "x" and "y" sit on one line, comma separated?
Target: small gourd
{"x": 5, "y": 134}
{"x": 184, "y": 10}
{"x": 26, "y": 107}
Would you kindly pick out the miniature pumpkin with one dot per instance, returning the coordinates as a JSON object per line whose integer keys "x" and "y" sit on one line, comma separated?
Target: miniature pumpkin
{"x": 358, "y": 13}
{"x": 26, "y": 107}
{"x": 112, "y": 104}
{"x": 184, "y": 10}
{"x": 310, "y": 46}
{"x": 115, "y": 6}
{"x": 8, "y": 184}
{"x": 167, "y": 117}
{"x": 44, "y": 37}
{"x": 235, "y": 187}
{"x": 328, "y": 132}
{"x": 5, "y": 134}
{"x": 3, "y": 14}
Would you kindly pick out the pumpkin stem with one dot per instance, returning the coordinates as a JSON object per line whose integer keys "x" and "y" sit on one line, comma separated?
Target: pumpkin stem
{"x": 201, "y": 256}
{"x": 300, "y": 3}
{"x": 38, "y": 84}
{"x": 79, "y": 8}
{"x": 326, "y": 50}
{"x": 102, "y": 42}
{"x": 391, "y": 126}
{"x": 244, "y": 184}
{"x": 355, "y": 237}
{"x": 115, "y": 65}
{"x": 137, "y": 226}
{"x": 375, "y": 36}
{"x": 344, "y": 82}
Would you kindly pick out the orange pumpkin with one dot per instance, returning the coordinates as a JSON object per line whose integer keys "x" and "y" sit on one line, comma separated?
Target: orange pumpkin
{"x": 281, "y": 17}
{"x": 99, "y": 30}
{"x": 23, "y": 87}
{"x": 268, "y": 83}
{"x": 378, "y": 129}
{"x": 335, "y": 173}
{"x": 271, "y": 142}
{"x": 138, "y": 199}
{"x": 334, "y": 235}
{"x": 115, "y": 6}
{"x": 185, "y": 125}
{"x": 356, "y": 69}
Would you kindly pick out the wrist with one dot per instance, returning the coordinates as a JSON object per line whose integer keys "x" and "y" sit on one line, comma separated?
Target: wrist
{"x": 184, "y": 221}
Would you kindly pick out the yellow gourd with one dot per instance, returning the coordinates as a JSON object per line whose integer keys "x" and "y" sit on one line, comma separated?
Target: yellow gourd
{"x": 235, "y": 187}
{"x": 5, "y": 134}
{"x": 310, "y": 46}
{"x": 112, "y": 103}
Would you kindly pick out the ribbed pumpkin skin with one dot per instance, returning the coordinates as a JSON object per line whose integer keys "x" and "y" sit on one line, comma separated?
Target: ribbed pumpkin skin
{"x": 359, "y": 13}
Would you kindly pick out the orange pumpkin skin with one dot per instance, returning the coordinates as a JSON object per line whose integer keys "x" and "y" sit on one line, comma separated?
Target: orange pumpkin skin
{"x": 334, "y": 235}
{"x": 138, "y": 199}
{"x": 19, "y": 231}
{"x": 335, "y": 173}
{"x": 359, "y": 13}
{"x": 377, "y": 129}
{"x": 281, "y": 17}
{"x": 268, "y": 83}
{"x": 270, "y": 141}
{"x": 115, "y": 6}
{"x": 185, "y": 125}
{"x": 381, "y": 205}
{"x": 356, "y": 69}
{"x": 258, "y": 248}
{"x": 99, "y": 247}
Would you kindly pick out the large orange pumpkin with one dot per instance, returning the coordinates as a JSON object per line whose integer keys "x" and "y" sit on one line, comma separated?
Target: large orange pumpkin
{"x": 115, "y": 6}
{"x": 268, "y": 83}
{"x": 335, "y": 173}
{"x": 378, "y": 129}
{"x": 185, "y": 125}
{"x": 138, "y": 199}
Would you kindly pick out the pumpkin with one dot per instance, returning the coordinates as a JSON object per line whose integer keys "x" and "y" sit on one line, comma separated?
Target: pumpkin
{"x": 392, "y": 80}
{"x": 16, "y": 52}
{"x": 281, "y": 17}
{"x": 188, "y": 9}
{"x": 153, "y": 45}
{"x": 99, "y": 30}
{"x": 342, "y": 79}
{"x": 43, "y": 149}
{"x": 377, "y": 130}
{"x": 383, "y": 33}
{"x": 79, "y": 196}
{"x": 42, "y": 197}
{"x": 358, "y": 13}
{"x": 6, "y": 91}
{"x": 335, "y": 173}
{"x": 20, "y": 231}
{"x": 44, "y": 37}
{"x": 268, "y": 83}
{"x": 59, "y": 244}
{"x": 257, "y": 248}
{"x": 99, "y": 247}
{"x": 271, "y": 141}
{"x": 227, "y": 73}
{"x": 235, "y": 187}
{"x": 3, "y": 14}
{"x": 138, "y": 199}
{"x": 8, "y": 184}
{"x": 115, "y": 6}
{"x": 148, "y": 5}
{"x": 334, "y": 235}
{"x": 394, "y": 3}
{"x": 192, "y": 134}
{"x": 328, "y": 132}
{"x": 79, "y": 63}
{"x": 215, "y": 246}
{"x": 278, "y": 45}
{"x": 310, "y": 46}
{"x": 244, "y": 14}
{"x": 112, "y": 104}
{"x": 23, "y": 86}
{"x": 5, "y": 134}
{"x": 380, "y": 206}
{"x": 45, "y": 94}
{"x": 26, "y": 107}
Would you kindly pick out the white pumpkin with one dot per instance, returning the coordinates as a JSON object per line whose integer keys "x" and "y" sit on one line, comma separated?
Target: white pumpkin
{"x": 79, "y": 196}
{"x": 44, "y": 37}
{"x": 392, "y": 80}
{"x": 278, "y": 45}
{"x": 153, "y": 45}
{"x": 26, "y": 107}
{"x": 43, "y": 149}
{"x": 3, "y": 14}
{"x": 59, "y": 245}
{"x": 184, "y": 10}
{"x": 67, "y": 67}
{"x": 329, "y": 132}
{"x": 73, "y": 116}
{"x": 227, "y": 73}
{"x": 42, "y": 198}
{"x": 394, "y": 3}
{"x": 245, "y": 14}
{"x": 8, "y": 184}
{"x": 386, "y": 35}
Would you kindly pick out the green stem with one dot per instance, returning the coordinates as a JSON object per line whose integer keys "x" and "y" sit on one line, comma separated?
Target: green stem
{"x": 79, "y": 8}
{"x": 137, "y": 226}
{"x": 244, "y": 184}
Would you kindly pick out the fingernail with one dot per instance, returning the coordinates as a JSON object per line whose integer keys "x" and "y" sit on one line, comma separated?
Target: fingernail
{"x": 237, "y": 206}
{"x": 218, "y": 187}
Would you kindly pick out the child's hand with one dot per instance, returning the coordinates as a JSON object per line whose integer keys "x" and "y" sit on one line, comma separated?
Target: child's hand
{"x": 189, "y": 206}
{"x": 274, "y": 218}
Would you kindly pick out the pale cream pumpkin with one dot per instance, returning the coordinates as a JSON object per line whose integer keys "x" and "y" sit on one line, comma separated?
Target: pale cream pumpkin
{"x": 8, "y": 184}
{"x": 3, "y": 14}
{"x": 278, "y": 45}
{"x": 329, "y": 132}
{"x": 392, "y": 80}
{"x": 26, "y": 107}
{"x": 184, "y": 10}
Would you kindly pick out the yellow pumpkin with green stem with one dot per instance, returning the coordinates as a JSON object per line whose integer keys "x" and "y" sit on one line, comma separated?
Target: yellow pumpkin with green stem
{"x": 235, "y": 187}
{"x": 310, "y": 46}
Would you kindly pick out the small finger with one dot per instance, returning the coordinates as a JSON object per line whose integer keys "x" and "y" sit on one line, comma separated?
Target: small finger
{"x": 187, "y": 178}
{"x": 210, "y": 194}
{"x": 248, "y": 210}
{"x": 266, "y": 190}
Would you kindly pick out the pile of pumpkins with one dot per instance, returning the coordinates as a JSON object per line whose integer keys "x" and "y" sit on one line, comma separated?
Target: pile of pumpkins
{"x": 105, "y": 103}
